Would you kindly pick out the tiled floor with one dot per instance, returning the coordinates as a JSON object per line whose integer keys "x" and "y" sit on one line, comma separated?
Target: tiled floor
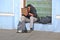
{"x": 34, "y": 35}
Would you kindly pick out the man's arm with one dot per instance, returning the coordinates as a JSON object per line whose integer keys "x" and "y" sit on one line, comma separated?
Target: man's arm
{"x": 31, "y": 14}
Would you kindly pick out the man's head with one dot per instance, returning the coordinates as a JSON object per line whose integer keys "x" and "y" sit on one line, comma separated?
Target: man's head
{"x": 29, "y": 7}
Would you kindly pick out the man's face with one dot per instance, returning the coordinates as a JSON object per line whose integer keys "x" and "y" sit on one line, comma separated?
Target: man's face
{"x": 28, "y": 9}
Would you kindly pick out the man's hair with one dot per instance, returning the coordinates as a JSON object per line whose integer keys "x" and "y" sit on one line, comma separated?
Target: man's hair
{"x": 32, "y": 8}
{"x": 29, "y": 5}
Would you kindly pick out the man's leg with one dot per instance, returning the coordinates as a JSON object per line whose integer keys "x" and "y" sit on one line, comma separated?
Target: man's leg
{"x": 18, "y": 28}
{"x": 32, "y": 20}
{"x": 23, "y": 20}
{"x": 22, "y": 24}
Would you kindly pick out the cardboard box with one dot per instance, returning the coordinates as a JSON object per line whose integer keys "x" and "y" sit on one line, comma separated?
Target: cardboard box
{"x": 24, "y": 11}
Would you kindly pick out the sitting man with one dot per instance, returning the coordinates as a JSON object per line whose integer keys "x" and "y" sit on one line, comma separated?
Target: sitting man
{"x": 31, "y": 17}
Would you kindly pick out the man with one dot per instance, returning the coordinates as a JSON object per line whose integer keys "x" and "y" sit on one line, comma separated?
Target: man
{"x": 31, "y": 17}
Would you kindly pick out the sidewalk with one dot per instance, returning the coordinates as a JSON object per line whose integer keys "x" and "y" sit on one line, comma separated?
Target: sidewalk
{"x": 35, "y": 35}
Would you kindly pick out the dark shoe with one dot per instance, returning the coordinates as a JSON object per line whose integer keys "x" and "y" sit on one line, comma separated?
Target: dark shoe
{"x": 24, "y": 31}
{"x": 31, "y": 29}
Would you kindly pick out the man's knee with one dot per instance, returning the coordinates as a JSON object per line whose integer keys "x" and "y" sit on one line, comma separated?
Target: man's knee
{"x": 33, "y": 18}
{"x": 23, "y": 18}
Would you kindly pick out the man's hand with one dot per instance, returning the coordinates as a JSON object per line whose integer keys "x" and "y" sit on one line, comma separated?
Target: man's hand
{"x": 30, "y": 14}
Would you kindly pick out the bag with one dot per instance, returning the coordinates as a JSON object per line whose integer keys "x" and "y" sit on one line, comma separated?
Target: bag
{"x": 45, "y": 20}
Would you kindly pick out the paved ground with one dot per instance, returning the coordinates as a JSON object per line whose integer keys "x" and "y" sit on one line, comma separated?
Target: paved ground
{"x": 35, "y": 35}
